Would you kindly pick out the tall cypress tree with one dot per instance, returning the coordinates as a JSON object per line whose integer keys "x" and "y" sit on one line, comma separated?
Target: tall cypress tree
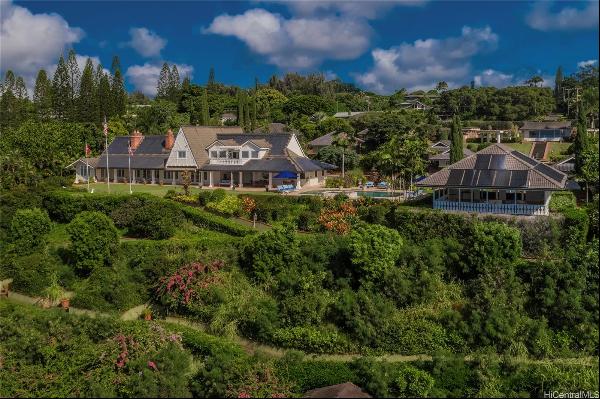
{"x": 74, "y": 80}
{"x": 87, "y": 94}
{"x": 253, "y": 114}
{"x": 205, "y": 115}
{"x": 8, "y": 103}
{"x": 42, "y": 96}
{"x": 174, "y": 85}
{"x": 211, "y": 78}
{"x": 558, "y": 80}
{"x": 61, "y": 91}
{"x": 247, "y": 126}
{"x": 456, "y": 144}
{"x": 117, "y": 88}
{"x": 581, "y": 143}
{"x": 240, "y": 110}
{"x": 162, "y": 87}
{"x": 103, "y": 96}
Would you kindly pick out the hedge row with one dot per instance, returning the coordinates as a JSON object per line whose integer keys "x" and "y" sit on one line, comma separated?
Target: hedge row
{"x": 64, "y": 205}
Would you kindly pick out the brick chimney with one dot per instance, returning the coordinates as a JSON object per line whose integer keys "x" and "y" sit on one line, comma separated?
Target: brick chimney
{"x": 169, "y": 140}
{"x": 136, "y": 138}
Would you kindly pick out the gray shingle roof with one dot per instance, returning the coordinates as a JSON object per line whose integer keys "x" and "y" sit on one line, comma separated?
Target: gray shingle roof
{"x": 498, "y": 166}
{"x": 199, "y": 137}
{"x": 445, "y": 155}
{"x": 121, "y": 161}
{"x": 535, "y": 125}
{"x": 150, "y": 154}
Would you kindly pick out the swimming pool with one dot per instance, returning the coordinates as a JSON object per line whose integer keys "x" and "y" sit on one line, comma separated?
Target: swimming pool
{"x": 355, "y": 194}
{"x": 378, "y": 194}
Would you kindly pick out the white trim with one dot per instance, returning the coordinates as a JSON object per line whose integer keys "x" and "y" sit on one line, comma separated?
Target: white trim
{"x": 295, "y": 147}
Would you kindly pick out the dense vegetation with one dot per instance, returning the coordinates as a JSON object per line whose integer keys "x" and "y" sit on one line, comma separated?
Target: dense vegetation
{"x": 497, "y": 305}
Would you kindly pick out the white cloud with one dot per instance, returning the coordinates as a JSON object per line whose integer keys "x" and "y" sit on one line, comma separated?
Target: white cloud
{"x": 420, "y": 65}
{"x": 146, "y": 42}
{"x": 330, "y": 75}
{"x": 362, "y": 9}
{"x": 583, "y": 64}
{"x": 568, "y": 18}
{"x": 29, "y": 41}
{"x": 491, "y": 77}
{"x": 145, "y": 77}
{"x": 296, "y": 43}
{"x": 494, "y": 78}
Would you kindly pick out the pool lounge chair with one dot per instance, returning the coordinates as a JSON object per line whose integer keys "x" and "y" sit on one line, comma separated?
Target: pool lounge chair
{"x": 369, "y": 184}
{"x": 286, "y": 188}
{"x": 382, "y": 184}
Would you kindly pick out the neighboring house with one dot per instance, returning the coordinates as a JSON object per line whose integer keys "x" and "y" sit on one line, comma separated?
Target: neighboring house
{"x": 345, "y": 390}
{"x": 150, "y": 154}
{"x": 546, "y": 131}
{"x": 496, "y": 179}
{"x": 566, "y": 165}
{"x": 228, "y": 117}
{"x": 225, "y": 156}
{"x": 84, "y": 167}
{"x": 471, "y": 133}
{"x": 327, "y": 140}
{"x": 414, "y": 104}
{"x": 442, "y": 159}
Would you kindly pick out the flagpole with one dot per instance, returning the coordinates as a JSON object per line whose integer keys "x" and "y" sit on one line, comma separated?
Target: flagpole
{"x": 129, "y": 165}
{"x": 87, "y": 167}
{"x": 106, "y": 147}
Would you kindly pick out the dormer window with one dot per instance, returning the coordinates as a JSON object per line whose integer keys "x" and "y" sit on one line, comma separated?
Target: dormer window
{"x": 245, "y": 154}
{"x": 222, "y": 154}
{"x": 254, "y": 154}
{"x": 214, "y": 154}
{"x": 182, "y": 154}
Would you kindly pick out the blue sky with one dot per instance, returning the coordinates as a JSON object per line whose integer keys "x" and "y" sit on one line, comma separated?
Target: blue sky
{"x": 378, "y": 45}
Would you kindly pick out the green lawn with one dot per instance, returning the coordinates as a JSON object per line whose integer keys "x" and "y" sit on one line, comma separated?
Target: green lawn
{"x": 525, "y": 148}
{"x": 123, "y": 188}
{"x": 559, "y": 150}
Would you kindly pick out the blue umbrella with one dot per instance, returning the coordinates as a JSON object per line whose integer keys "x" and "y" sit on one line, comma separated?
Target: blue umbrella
{"x": 285, "y": 175}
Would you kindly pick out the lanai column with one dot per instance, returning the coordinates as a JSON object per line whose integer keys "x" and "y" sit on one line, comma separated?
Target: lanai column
{"x": 298, "y": 184}
{"x": 231, "y": 181}
{"x": 241, "y": 178}
{"x": 173, "y": 178}
{"x": 270, "y": 180}
{"x": 161, "y": 176}
{"x": 210, "y": 179}
{"x": 152, "y": 173}
{"x": 115, "y": 175}
{"x": 200, "y": 178}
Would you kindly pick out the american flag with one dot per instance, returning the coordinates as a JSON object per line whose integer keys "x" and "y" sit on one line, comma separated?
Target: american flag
{"x": 88, "y": 150}
{"x": 130, "y": 148}
{"x": 105, "y": 127}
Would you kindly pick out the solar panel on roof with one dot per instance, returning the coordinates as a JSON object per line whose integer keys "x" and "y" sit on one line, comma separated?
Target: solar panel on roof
{"x": 485, "y": 178}
{"x": 469, "y": 177}
{"x": 498, "y": 162}
{"x": 550, "y": 172}
{"x": 455, "y": 177}
{"x": 519, "y": 178}
{"x": 524, "y": 158}
{"x": 502, "y": 178}
{"x": 482, "y": 161}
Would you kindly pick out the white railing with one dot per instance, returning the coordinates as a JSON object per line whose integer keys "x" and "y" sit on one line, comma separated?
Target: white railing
{"x": 226, "y": 161}
{"x": 487, "y": 207}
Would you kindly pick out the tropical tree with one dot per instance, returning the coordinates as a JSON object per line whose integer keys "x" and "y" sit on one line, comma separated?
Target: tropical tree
{"x": 42, "y": 96}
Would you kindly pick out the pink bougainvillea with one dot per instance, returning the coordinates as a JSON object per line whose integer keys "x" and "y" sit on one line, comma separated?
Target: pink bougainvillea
{"x": 152, "y": 365}
{"x": 181, "y": 287}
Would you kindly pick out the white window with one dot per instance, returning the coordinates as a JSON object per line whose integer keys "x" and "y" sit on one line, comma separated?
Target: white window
{"x": 235, "y": 155}
{"x": 121, "y": 172}
{"x": 181, "y": 154}
{"x": 222, "y": 154}
{"x": 254, "y": 154}
{"x": 245, "y": 154}
{"x": 214, "y": 154}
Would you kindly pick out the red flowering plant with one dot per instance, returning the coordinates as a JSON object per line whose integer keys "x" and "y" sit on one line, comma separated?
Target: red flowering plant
{"x": 248, "y": 205}
{"x": 184, "y": 287}
{"x": 337, "y": 217}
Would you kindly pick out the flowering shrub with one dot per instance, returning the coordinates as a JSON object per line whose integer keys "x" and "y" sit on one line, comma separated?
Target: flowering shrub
{"x": 337, "y": 217}
{"x": 229, "y": 205}
{"x": 186, "y": 199}
{"x": 248, "y": 205}
{"x": 181, "y": 287}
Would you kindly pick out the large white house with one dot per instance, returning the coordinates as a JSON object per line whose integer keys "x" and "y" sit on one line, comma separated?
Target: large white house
{"x": 226, "y": 156}
{"x": 214, "y": 156}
